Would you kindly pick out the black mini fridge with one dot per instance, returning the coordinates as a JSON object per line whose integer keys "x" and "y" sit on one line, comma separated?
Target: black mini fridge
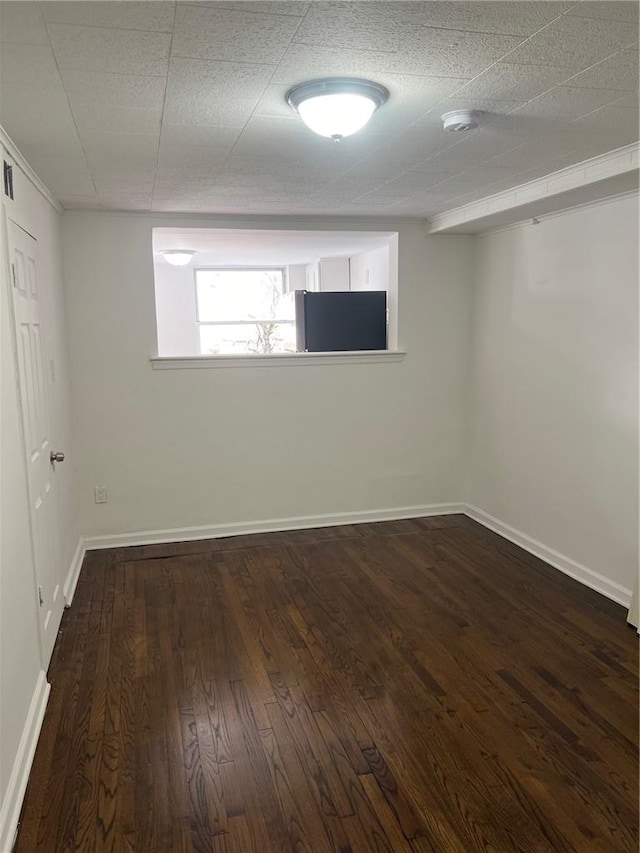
{"x": 341, "y": 321}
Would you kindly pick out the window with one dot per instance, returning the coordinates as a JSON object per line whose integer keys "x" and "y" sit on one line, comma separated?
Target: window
{"x": 244, "y": 311}
{"x": 230, "y": 292}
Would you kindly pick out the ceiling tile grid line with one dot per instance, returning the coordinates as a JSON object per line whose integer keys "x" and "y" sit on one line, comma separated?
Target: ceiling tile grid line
{"x": 292, "y": 37}
{"x": 103, "y": 103}
{"x": 164, "y": 100}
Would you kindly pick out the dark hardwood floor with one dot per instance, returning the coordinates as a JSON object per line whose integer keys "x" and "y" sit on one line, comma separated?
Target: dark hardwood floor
{"x": 410, "y": 686}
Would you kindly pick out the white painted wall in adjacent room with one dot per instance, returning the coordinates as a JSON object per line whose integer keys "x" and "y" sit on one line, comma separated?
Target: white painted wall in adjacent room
{"x": 176, "y": 310}
{"x": 21, "y": 666}
{"x": 555, "y": 386}
{"x": 370, "y": 270}
{"x": 334, "y": 274}
{"x": 199, "y": 447}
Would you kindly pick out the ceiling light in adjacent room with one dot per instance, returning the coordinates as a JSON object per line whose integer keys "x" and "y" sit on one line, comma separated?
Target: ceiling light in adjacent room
{"x": 338, "y": 106}
{"x": 178, "y": 257}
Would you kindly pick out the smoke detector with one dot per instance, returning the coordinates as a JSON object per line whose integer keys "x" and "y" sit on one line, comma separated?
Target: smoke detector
{"x": 461, "y": 120}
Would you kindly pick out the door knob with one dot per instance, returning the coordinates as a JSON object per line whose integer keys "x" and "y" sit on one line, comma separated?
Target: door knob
{"x": 56, "y": 457}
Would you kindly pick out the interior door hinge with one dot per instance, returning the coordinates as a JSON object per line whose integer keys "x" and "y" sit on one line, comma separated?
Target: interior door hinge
{"x": 40, "y": 596}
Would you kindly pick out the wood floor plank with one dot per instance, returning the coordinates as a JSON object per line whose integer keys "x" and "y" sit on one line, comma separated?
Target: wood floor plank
{"x": 399, "y": 687}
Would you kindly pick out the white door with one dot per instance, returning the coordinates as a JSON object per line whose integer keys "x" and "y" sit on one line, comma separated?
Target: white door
{"x": 35, "y": 396}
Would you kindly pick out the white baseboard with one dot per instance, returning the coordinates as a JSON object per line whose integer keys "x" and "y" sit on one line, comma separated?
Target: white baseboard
{"x": 73, "y": 574}
{"x": 588, "y": 577}
{"x": 12, "y": 803}
{"x": 215, "y": 531}
{"x": 594, "y": 580}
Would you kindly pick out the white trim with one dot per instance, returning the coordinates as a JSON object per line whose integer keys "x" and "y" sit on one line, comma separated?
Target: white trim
{"x": 12, "y": 150}
{"x": 10, "y": 813}
{"x": 240, "y": 528}
{"x": 554, "y": 214}
{"x": 73, "y": 574}
{"x": 594, "y": 580}
{"x": 606, "y": 166}
{"x": 284, "y": 359}
{"x": 589, "y": 577}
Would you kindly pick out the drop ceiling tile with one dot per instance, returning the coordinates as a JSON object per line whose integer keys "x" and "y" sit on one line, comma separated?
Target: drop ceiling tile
{"x": 266, "y": 182}
{"x": 547, "y": 167}
{"x": 33, "y": 105}
{"x": 78, "y": 202}
{"x": 22, "y": 23}
{"x": 355, "y": 209}
{"x": 204, "y": 92}
{"x": 618, "y": 124}
{"x": 223, "y": 34}
{"x": 31, "y": 66}
{"x": 96, "y": 117}
{"x": 122, "y": 200}
{"x": 130, "y": 15}
{"x": 194, "y": 150}
{"x": 416, "y": 180}
{"x": 252, "y": 168}
{"x": 114, "y": 91}
{"x": 167, "y": 188}
{"x": 121, "y": 154}
{"x": 425, "y": 51}
{"x": 537, "y": 151}
{"x": 385, "y": 194}
{"x": 493, "y": 17}
{"x": 410, "y": 97}
{"x": 472, "y": 150}
{"x": 574, "y": 43}
{"x": 141, "y": 184}
{"x": 565, "y": 103}
{"x": 507, "y": 81}
{"x": 118, "y": 51}
{"x": 64, "y": 174}
{"x": 618, "y": 71}
{"x": 297, "y": 8}
{"x": 370, "y": 26}
{"x": 304, "y": 62}
{"x": 278, "y": 139}
{"x": 610, "y": 9}
{"x": 385, "y": 26}
{"x": 347, "y": 187}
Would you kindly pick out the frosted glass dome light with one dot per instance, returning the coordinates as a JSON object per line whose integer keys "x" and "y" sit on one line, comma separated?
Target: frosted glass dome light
{"x": 178, "y": 257}
{"x": 336, "y": 107}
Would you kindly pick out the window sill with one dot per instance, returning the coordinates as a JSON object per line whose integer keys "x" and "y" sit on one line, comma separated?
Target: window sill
{"x": 289, "y": 359}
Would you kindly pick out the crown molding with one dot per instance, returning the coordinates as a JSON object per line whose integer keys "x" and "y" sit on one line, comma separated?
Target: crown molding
{"x": 600, "y": 177}
{"x": 14, "y": 152}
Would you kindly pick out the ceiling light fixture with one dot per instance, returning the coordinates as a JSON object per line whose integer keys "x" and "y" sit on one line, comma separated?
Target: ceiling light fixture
{"x": 337, "y": 106}
{"x": 178, "y": 257}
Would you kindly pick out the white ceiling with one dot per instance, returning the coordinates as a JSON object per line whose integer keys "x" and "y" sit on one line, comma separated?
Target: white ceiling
{"x": 245, "y": 246}
{"x": 180, "y": 106}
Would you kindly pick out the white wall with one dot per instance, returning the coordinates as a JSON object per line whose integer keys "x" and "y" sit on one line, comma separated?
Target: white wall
{"x": 334, "y": 274}
{"x": 201, "y": 447}
{"x": 20, "y": 659}
{"x": 296, "y": 277}
{"x": 370, "y": 270}
{"x": 555, "y": 386}
{"x": 175, "y": 298}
